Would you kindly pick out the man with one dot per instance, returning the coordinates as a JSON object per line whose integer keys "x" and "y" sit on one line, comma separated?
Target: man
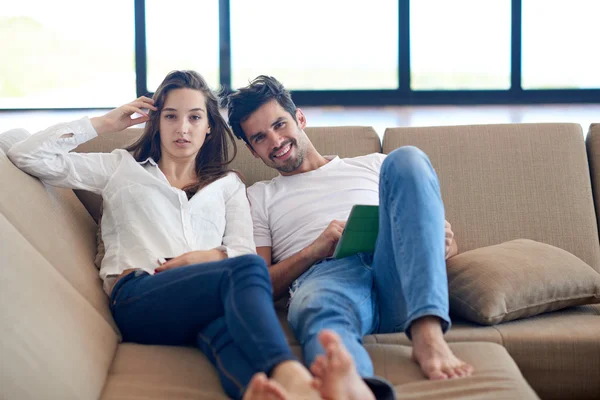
{"x": 299, "y": 217}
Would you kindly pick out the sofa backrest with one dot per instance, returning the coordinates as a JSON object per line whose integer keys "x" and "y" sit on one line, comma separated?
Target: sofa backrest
{"x": 503, "y": 182}
{"x": 347, "y": 141}
{"x": 592, "y": 141}
{"x": 57, "y": 337}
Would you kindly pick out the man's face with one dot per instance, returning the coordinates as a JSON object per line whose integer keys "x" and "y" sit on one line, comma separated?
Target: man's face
{"x": 275, "y": 138}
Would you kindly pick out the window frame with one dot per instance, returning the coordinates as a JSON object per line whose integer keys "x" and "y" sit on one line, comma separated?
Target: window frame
{"x": 403, "y": 95}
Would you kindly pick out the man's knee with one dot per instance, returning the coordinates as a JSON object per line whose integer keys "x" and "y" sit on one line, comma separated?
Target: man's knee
{"x": 406, "y": 162}
{"x": 315, "y": 307}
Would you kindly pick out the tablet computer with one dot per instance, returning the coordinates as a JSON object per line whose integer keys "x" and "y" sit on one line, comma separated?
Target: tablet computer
{"x": 360, "y": 232}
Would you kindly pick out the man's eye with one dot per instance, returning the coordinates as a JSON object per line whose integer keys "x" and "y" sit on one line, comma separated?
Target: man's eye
{"x": 279, "y": 125}
{"x": 258, "y": 139}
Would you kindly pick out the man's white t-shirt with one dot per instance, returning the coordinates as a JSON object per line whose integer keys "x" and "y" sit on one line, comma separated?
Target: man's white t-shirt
{"x": 290, "y": 212}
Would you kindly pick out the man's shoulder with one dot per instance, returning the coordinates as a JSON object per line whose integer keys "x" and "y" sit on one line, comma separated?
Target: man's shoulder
{"x": 373, "y": 160}
{"x": 258, "y": 189}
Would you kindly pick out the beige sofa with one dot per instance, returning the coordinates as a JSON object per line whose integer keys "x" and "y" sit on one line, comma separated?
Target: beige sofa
{"x": 499, "y": 182}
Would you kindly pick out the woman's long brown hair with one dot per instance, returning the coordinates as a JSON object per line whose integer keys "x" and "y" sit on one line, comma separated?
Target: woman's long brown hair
{"x": 213, "y": 157}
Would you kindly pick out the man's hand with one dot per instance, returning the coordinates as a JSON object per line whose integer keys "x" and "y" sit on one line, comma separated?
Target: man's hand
{"x": 193, "y": 257}
{"x": 451, "y": 248}
{"x": 120, "y": 118}
{"x": 324, "y": 245}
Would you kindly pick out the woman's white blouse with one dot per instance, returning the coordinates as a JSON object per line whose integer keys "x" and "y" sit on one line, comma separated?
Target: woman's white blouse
{"x": 145, "y": 218}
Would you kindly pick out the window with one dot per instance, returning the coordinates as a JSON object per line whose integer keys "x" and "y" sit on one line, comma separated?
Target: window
{"x": 460, "y": 44}
{"x": 560, "y": 44}
{"x": 180, "y": 35}
{"x": 315, "y": 44}
{"x": 59, "y": 59}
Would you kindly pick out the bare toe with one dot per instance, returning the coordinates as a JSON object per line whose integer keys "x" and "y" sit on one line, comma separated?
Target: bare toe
{"x": 318, "y": 366}
{"x": 337, "y": 373}
{"x": 262, "y": 388}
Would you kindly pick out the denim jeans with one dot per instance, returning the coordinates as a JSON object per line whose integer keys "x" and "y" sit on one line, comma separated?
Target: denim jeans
{"x": 403, "y": 280}
{"x": 225, "y": 308}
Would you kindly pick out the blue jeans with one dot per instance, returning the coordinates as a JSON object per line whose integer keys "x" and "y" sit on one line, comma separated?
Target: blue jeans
{"x": 225, "y": 308}
{"x": 403, "y": 280}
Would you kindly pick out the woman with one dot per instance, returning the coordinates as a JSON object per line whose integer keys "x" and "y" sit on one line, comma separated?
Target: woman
{"x": 170, "y": 194}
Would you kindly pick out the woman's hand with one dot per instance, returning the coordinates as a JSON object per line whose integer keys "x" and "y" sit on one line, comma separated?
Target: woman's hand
{"x": 120, "y": 118}
{"x": 193, "y": 257}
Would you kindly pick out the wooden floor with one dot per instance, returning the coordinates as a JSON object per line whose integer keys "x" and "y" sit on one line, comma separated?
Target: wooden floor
{"x": 377, "y": 117}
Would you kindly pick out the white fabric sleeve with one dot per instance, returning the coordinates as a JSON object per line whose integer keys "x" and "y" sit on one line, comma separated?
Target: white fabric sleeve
{"x": 46, "y": 156}
{"x": 237, "y": 239}
{"x": 262, "y": 232}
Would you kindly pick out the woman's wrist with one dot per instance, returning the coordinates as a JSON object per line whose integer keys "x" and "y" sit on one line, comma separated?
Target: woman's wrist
{"x": 99, "y": 125}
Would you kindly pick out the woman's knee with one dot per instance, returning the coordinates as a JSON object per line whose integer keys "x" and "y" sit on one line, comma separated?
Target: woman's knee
{"x": 250, "y": 264}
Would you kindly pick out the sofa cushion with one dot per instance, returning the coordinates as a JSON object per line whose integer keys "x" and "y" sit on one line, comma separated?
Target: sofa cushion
{"x": 461, "y": 331}
{"x": 162, "y": 372}
{"x": 53, "y": 343}
{"x": 56, "y": 224}
{"x": 592, "y": 141}
{"x": 496, "y": 375}
{"x": 511, "y": 181}
{"x": 518, "y": 279}
{"x": 558, "y": 352}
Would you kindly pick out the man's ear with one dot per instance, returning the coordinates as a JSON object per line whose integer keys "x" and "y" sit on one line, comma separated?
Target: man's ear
{"x": 252, "y": 151}
{"x": 301, "y": 118}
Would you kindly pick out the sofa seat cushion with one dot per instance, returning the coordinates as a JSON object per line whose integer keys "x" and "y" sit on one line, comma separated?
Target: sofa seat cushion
{"x": 163, "y": 372}
{"x": 558, "y": 352}
{"x": 518, "y": 279}
{"x": 461, "y": 331}
{"x": 496, "y": 375}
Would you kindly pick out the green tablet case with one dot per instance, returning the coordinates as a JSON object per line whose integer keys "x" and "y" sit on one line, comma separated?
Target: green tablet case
{"x": 360, "y": 233}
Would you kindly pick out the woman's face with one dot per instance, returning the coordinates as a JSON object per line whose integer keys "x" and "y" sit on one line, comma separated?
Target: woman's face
{"x": 183, "y": 123}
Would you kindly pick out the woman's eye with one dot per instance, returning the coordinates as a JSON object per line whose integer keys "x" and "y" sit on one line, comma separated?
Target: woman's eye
{"x": 169, "y": 116}
{"x": 196, "y": 117}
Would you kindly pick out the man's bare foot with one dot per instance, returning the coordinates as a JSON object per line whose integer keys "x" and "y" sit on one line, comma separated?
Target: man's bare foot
{"x": 432, "y": 353}
{"x": 263, "y": 388}
{"x": 296, "y": 380}
{"x": 335, "y": 374}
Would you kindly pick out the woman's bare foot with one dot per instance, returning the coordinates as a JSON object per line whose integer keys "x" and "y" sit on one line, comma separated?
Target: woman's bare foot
{"x": 296, "y": 380}
{"x": 432, "y": 353}
{"x": 263, "y": 388}
{"x": 335, "y": 374}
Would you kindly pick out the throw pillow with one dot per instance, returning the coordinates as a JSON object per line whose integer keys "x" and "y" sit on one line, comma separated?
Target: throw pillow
{"x": 518, "y": 279}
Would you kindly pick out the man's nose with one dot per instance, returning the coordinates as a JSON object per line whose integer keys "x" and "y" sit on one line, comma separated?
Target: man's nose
{"x": 276, "y": 140}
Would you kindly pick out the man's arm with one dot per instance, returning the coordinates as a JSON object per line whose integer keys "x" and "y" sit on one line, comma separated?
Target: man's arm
{"x": 287, "y": 271}
{"x": 451, "y": 246}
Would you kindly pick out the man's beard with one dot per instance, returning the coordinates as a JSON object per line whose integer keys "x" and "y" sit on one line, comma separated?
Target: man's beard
{"x": 291, "y": 165}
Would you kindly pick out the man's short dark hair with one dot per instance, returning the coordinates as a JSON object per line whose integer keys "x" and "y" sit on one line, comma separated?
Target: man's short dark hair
{"x": 244, "y": 102}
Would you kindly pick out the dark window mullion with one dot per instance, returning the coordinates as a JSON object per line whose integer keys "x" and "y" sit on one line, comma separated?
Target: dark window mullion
{"x": 225, "y": 45}
{"x": 141, "y": 66}
{"x": 516, "y": 47}
{"x": 404, "y": 47}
